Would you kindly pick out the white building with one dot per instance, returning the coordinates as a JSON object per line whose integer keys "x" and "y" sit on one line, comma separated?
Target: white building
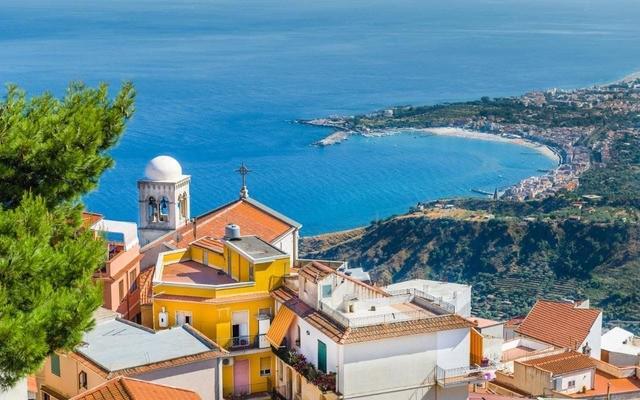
{"x": 443, "y": 293}
{"x": 373, "y": 344}
{"x": 621, "y": 348}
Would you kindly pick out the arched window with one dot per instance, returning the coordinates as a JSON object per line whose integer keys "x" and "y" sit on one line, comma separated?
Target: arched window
{"x": 152, "y": 210}
{"x": 164, "y": 209}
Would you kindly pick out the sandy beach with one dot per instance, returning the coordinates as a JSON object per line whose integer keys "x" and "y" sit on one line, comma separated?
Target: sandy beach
{"x": 468, "y": 134}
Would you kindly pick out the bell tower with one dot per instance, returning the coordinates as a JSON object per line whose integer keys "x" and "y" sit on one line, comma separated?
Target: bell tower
{"x": 164, "y": 202}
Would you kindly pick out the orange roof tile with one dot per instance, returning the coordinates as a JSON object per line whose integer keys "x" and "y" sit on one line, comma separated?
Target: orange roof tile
{"x": 122, "y": 388}
{"x": 89, "y": 219}
{"x": 315, "y": 271}
{"x": 558, "y": 323}
{"x": 604, "y": 384}
{"x": 253, "y": 219}
{"x": 209, "y": 243}
{"x": 558, "y": 364}
{"x": 146, "y": 287}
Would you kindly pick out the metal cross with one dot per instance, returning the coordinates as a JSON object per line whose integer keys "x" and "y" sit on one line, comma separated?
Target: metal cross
{"x": 244, "y": 171}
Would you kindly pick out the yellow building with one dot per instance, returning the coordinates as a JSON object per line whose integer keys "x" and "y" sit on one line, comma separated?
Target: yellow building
{"x": 221, "y": 287}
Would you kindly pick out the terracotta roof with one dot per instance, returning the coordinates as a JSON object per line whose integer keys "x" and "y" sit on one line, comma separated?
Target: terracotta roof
{"x": 514, "y": 322}
{"x": 210, "y": 243}
{"x": 484, "y": 323}
{"x": 89, "y": 219}
{"x": 558, "y": 323}
{"x": 146, "y": 287}
{"x": 315, "y": 271}
{"x": 562, "y": 363}
{"x": 252, "y": 217}
{"x": 346, "y": 335}
{"x": 194, "y": 273}
{"x": 122, "y": 388}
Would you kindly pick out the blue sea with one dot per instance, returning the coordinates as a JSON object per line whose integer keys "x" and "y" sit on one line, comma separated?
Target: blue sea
{"x": 220, "y": 82}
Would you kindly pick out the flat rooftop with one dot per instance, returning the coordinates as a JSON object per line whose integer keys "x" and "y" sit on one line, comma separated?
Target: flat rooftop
{"x": 255, "y": 248}
{"x": 196, "y": 273}
{"x": 116, "y": 345}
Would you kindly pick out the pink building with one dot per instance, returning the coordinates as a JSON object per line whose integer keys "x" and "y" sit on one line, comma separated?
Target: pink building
{"x": 120, "y": 273}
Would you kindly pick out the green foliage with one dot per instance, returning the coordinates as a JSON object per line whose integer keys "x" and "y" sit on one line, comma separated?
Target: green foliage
{"x": 46, "y": 292}
{"x": 509, "y": 261}
{"x": 57, "y": 148}
{"x": 51, "y": 153}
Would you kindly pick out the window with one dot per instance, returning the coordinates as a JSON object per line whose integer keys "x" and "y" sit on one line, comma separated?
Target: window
{"x": 152, "y": 210}
{"x": 304, "y": 285}
{"x": 132, "y": 280}
{"x": 326, "y": 291}
{"x": 164, "y": 209}
{"x": 82, "y": 380}
{"x": 298, "y": 337}
{"x": 184, "y": 317}
{"x": 571, "y": 384}
{"x": 55, "y": 364}
{"x": 121, "y": 289}
{"x": 265, "y": 366}
{"x": 264, "y": 312}
{"x": 322, "y": 356}
{"x": 46, "y": 396}
{"x": 250, "y": 272}
{"x": 205, "y": 257}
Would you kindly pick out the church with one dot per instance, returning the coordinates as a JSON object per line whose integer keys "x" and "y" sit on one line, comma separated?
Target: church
{"x": 165, "y": 222}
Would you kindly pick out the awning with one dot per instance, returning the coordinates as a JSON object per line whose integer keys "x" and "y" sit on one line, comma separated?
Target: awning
{"x": 280, "y": 326}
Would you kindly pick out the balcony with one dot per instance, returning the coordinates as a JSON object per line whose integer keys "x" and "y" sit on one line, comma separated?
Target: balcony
{"x": 451, "y": 377}
{"x": 241, "y": 343}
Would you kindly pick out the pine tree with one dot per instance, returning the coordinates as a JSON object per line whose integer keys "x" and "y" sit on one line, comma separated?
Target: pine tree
{"x": 51, "y": 153}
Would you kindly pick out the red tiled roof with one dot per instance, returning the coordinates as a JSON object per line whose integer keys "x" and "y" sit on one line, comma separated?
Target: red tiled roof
{"x": 210, "y": 243}
{"x": 558, "y": 323}
{"x": 483, "y": 322}
{"x": 252, "y": 220}
{"x": 122, "y": 388}
{"x": 315, "y": 271}
{"x": 89, "y": 219}
{"x": 146, "y": 287}
{"x": 558, "y": 364}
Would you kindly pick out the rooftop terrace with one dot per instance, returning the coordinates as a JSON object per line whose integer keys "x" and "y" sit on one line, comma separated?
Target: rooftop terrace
{"x": 195, "y": 273}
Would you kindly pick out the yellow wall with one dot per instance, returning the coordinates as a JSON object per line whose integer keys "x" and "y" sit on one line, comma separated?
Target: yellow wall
{"x": 215, "y": 319}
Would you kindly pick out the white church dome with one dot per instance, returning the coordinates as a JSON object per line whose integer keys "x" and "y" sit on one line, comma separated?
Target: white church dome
{"x": 163, "y": 168}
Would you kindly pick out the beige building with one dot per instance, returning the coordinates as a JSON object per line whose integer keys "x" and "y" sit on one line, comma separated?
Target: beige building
{"x": 180, "y": 357}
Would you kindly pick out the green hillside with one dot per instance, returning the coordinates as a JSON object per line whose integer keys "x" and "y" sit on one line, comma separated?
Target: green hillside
{"x": 511, "y": 252}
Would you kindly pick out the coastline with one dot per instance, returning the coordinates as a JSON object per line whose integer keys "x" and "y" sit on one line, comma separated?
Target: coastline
{"x": 544, "y": 149}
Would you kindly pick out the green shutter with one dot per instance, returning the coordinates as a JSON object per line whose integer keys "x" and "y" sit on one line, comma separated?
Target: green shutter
{"x": 322, "y": 356}
{"x": 55, "y": 364}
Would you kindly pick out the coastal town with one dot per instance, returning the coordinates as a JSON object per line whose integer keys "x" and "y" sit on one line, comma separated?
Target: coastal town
{"x": 222, "y": 306}
{"x": 579, "y": 126}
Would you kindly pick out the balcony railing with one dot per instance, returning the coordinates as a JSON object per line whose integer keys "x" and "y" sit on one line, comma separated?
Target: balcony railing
{"x": 245, "y": 342}
{"x": 464, "y": 375}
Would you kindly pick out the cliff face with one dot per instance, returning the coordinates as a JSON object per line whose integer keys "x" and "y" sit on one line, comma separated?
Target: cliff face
{"x": 509, "y": 261}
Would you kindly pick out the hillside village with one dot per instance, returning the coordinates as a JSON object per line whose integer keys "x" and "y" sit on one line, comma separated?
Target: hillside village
{"x": 222, "y": 306}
